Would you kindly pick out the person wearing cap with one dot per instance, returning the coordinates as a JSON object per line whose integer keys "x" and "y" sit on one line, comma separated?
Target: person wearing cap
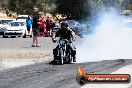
{"x": 35, "y": 28}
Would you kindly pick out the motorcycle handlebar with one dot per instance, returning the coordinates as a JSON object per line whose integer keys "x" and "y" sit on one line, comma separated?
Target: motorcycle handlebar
{"x": 59, "y": 40}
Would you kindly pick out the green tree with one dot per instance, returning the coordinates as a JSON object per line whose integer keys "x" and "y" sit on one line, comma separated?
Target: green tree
{"x": 76, "y": 9}
{"x": 81, "y": 9}
{"x": 21, "y": 6}
{"x": 27, "y": 6}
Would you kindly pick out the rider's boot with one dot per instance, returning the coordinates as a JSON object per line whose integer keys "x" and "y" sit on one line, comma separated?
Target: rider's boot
{"x": 74, "y": 58}
{"x": 55, "y": 53}
{"x": 74, "y": 55}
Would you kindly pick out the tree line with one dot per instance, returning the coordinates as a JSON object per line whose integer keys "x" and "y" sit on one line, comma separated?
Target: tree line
{"x": 72, "y": 9}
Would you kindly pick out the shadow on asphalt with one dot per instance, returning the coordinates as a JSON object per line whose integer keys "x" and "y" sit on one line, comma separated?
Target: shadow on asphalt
{"x": 57, "y": 63}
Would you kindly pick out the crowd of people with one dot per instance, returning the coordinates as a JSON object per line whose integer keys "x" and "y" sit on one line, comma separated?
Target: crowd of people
{"x": 39, "y": 26}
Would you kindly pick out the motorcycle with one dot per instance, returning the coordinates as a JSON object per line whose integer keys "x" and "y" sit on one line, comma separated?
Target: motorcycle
{"x": 63, "y": 52}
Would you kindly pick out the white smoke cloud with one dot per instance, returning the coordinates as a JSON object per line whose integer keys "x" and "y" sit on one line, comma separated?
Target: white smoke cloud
{"x": 110, "y": 40}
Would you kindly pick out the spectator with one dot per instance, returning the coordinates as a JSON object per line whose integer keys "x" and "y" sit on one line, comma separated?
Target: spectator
{"x": 41, "y": 25}
{"x": 35, "y": 28}
{"x": 29, "y": 22}
{"x": 49, "y": 24}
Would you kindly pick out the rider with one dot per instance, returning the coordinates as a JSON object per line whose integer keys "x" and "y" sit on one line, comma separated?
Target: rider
{"x": 65, "y": 33}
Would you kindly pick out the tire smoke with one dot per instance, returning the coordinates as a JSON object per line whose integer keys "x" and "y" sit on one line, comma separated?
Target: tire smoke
{"x": 110, "y": 40}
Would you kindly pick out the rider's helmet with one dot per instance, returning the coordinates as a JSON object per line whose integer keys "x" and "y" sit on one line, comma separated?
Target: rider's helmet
{"x": 64, "y": 23}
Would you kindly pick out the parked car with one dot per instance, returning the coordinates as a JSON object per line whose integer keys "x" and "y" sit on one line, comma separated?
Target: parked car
{"x": 3, "y": 24}
{"x": 17, "y": 28}
{"x": 55, "y": 29}
{"x": 21, "y": 17}
{"x": 78, "y": 28}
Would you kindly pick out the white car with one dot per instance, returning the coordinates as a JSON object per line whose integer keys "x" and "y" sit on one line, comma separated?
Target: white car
{"x": 17, "y": 29}
{"x": 3, "y": 24}
{"x": 21, "y": 17}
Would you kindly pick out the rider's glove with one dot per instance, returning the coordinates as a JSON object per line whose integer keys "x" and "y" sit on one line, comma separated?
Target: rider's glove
{"x": 70, "y": 41}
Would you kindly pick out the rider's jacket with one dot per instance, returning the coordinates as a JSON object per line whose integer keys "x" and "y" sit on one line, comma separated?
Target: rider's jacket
{"x": 66, "y": 34}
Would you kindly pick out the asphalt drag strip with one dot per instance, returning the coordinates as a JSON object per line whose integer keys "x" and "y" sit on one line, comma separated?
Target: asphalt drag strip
{"x": 43, "y": 75}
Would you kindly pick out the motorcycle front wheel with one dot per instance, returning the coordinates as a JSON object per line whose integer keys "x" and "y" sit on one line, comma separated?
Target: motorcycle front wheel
{"x": 69, "y": 58}
{"x": 61, "y": 56}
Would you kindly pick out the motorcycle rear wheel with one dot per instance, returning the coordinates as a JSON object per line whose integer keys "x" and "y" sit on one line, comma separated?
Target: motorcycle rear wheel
{"x": 69, "y": 58}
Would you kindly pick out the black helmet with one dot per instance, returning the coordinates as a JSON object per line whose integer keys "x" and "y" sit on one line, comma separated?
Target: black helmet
{"x": 64, "y": 23}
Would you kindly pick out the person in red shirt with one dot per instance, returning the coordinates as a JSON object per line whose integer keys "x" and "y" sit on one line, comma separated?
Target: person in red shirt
{"x": 41, "y": 26}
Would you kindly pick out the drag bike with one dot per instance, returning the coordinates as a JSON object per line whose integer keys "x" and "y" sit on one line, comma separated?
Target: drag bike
{"x": 64, "y": 52}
